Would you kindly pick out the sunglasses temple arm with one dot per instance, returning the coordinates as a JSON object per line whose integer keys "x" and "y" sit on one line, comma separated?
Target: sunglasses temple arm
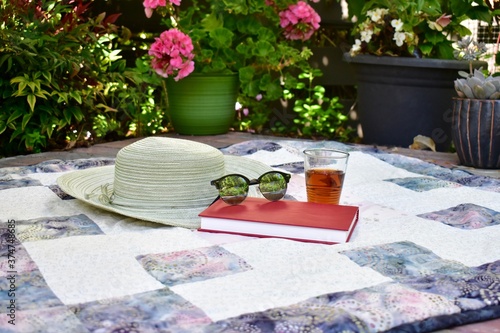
{"x": 218, "y": 197}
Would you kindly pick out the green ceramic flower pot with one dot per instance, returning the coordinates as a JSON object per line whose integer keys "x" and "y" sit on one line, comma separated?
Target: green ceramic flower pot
{"x": 202, "y": 104}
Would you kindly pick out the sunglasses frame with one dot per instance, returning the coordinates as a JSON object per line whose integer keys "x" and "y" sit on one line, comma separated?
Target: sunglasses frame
{"x": 250, "y": 182}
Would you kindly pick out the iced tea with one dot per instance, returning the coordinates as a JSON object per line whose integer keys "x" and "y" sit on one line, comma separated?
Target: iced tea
{"x": 324, "y": 185}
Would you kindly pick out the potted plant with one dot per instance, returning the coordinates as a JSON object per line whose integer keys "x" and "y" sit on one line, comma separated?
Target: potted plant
{"x": 254, "y": 45}
{"x": 476, "y": 112}
{"x": 404, "y": 63}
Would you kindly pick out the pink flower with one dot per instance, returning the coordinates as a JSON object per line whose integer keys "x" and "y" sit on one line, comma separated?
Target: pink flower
{"x": 150, "y": 5}
{"x": 153, "y": 4}
{"x": 186, "y": 69}
{"x": 299, "y": 21}
{"x": 444, "y": 20}
{"x": 172, "y": 54}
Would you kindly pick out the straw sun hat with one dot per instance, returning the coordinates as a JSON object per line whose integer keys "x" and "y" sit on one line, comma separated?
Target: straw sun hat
{"x": 160, "y": 180}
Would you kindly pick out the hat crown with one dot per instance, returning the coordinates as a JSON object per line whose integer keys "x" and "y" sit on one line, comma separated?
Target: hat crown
{"x": 157, "y": 172}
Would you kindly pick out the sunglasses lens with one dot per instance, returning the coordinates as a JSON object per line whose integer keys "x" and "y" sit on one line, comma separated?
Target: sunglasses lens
{"x": 273, "y": 186}
{"x": 233, "y": 189}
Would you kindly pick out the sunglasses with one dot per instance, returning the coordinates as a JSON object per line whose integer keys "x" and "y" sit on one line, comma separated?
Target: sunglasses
{"x": 233, "y": 188}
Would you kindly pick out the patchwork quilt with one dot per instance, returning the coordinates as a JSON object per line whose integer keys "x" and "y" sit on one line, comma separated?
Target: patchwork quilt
{"x": 424, "y": 256}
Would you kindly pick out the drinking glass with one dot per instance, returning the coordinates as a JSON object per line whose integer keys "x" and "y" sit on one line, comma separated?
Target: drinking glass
{"x": 324, "y": 170}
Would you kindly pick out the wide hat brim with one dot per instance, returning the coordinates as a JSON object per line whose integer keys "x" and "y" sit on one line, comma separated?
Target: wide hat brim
{"x": 79, "y": 184}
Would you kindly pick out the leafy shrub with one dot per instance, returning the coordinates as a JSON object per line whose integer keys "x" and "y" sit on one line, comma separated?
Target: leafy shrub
{"x": 136, "y": 104}
{"x": 316, "y": 115}
{"x": 57, "y": 66}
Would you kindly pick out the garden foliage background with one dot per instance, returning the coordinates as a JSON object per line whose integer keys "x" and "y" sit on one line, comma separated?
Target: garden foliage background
{"x": 75, "y": 73}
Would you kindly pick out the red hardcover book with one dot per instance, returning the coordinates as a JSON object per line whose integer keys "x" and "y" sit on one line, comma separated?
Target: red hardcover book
{"x": 297, "y": 220}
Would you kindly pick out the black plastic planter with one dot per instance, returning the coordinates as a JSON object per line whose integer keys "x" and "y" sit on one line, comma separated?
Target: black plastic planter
{"x": 400, "y": 98}
{"x": 476, "y": 132}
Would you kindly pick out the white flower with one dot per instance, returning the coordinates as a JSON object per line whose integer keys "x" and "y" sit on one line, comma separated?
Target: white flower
{"x": 397, "y": 24}
{"x": 399, "y": 38}
{"x": 378, "y": 14}
{"x": 366, "y": 35}
{"x": 356, "y": 47}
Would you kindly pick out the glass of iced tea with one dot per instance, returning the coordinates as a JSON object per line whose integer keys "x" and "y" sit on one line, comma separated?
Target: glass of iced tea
{"x": 324, "y": 170}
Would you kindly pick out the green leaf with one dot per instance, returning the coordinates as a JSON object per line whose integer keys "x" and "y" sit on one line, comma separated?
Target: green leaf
{"x": 49, "y": 129}
{"x": 265, "y": 80}
{"x": 115, "y": 55}
{"x": 266, "y": 34}
{"x": 434, "y": 37}
{"x": 47, "y": 75}
{"x": 262, "y": 49}
{"x": 221, "y": 38}
{"x": 218, "y": 64}
{"x": 16, "y": 114}
{"x": 273, "y": 91}
{"x": 444, "y": 51}
{"x": 248, "y": 26}
{"x": 25, "y": 121}
{"x": 246, "y": 74}
{"x": 100, "y": 17}
{"x": 78, "y": 114}
{"x": 68, "y": 115}
{"x": 3, "y": 127}
{"x": 20, "y": 89}
{"x": 481, "y": 13}
{"x": 431, "y": 7}
{"x": 320, "y": 89}
{"x": 304, "y": 75}
{"x": 300, "y": 85}
{"x": 41, "y": 94}
{"x": 426, "y": 48}
{"x": 16, "y": 133}
{"x": 142, "y": 66}
{"x": 212, "y": 22}
{"x": 62, "y": 97}
{"x": 106, "y": 108}
{"x": 31, "y": 101}
{"x": 238, "y": 6}
{"x": 3, "y": 58}
{"x": 356, "y": 7}
{"x": 251, "y": 88}
{"x": 18, "y": 79}
{"x": 76, "y": 96}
